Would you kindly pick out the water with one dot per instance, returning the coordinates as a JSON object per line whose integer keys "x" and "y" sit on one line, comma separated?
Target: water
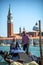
{"x": 4, "y": 48}
{"x": 35, "y": 50}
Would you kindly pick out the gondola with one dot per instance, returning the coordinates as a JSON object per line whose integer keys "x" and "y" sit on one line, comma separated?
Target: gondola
{"x": 17, "y": 54}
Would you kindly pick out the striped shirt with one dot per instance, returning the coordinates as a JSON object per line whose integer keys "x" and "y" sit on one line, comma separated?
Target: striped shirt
{"x": 25, "y": 39}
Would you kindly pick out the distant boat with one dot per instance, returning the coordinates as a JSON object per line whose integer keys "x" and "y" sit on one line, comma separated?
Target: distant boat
{"x": 4, "y": 44}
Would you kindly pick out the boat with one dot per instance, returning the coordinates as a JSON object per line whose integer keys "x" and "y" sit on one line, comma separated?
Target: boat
{"x": 17, "y": 54}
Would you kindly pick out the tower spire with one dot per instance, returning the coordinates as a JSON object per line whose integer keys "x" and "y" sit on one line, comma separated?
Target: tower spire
{"x": 10, "y": 18}
{"x": 9, "y": 10}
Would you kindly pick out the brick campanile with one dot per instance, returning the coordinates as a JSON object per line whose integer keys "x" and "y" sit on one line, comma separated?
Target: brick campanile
{"x": 9, "y": 23}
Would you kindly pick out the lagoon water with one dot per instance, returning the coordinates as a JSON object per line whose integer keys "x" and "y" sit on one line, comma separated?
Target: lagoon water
{"x": 35, "y": 50}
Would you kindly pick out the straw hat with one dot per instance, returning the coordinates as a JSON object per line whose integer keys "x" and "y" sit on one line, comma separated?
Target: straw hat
{"x": 31, "y": 63}
{"x": 16, "y": 63}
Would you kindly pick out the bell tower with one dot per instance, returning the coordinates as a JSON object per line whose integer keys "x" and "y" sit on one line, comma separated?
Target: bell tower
{"x": 9, "y": 23}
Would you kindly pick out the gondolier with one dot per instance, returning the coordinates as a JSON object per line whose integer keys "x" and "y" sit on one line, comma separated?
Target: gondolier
{"x": 25, "y": 41}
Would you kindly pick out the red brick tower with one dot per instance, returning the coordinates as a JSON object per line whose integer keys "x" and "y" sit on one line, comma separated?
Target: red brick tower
{"x": 9, "y": 24}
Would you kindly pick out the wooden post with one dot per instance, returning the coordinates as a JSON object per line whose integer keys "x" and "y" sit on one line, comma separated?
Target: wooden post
{"x": 40, "y": 41}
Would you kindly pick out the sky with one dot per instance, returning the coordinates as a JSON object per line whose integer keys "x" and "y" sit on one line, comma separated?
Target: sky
{"x": 25, "y": 14}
